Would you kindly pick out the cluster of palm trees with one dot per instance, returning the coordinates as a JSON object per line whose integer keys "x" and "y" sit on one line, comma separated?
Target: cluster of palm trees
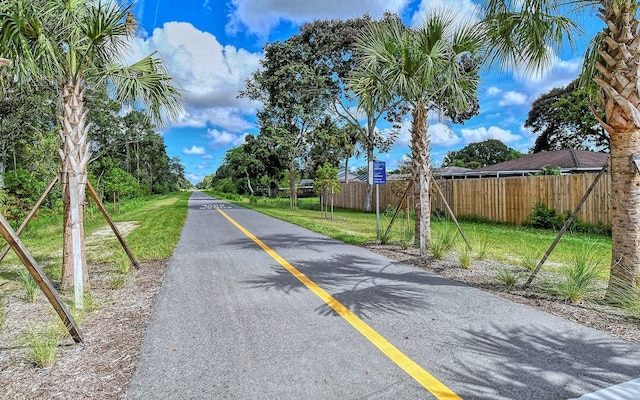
{"x": 433, "y": 68}
{"x": 79, "y": 43}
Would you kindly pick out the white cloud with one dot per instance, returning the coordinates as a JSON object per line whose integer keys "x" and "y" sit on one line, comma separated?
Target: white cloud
{"x": 194, "y": 150}
{"x": 493, "y": 91}
{"x": 210, "y": 73}
{"x": 231, "y": 119}
{"x": 220, "y": 139}
{"x": 194, "y": 178}
{"x": 442, "y": 135}
{"x": 207, "y": 157}
{"x": 559, "y": 73}
{"x": 204, "y": 165}
{"x": 259, "y": 17}
{"x": 482, "y": 134}
{"x": 462, "y": 10}
{"x": 512, "y": 98}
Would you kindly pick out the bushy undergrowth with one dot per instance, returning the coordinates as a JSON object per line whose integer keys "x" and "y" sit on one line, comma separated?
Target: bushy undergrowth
{"x": 542, "y": 217}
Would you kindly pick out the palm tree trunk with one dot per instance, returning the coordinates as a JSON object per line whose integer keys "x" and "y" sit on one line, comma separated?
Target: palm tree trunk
{"x": 368, "y": 194}
{"x": 625, "y": 205}
{"x": 74, "y": 155}
{"x": 421, "y": 172}
{"x": 618, "y": 78}
{"x": 371, "y": 137}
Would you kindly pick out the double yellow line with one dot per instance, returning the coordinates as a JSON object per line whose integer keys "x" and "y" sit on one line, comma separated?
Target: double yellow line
{"x": 428, "y": 381}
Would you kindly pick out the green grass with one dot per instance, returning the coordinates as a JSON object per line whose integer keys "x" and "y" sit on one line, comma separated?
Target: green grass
{"x": 42, "y": 344}
{"x": 31, "y": 287}
{"x": 507, "y": 243}
{"x": 158, "y": 219}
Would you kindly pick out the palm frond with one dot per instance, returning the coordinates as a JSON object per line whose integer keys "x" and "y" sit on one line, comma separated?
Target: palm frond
{"x": 146, "y": 83}
{"x": 526, "y": 35}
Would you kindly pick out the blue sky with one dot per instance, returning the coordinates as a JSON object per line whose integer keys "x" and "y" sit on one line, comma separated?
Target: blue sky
{"x": 212, "y": 46}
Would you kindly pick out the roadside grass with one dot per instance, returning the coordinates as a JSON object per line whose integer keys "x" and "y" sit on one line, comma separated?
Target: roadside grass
{"x": 506, "y": 243}
{"x": 156, "y": 222}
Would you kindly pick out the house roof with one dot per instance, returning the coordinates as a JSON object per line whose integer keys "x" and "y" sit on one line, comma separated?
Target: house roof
{"x": 570, "y": 161}
{"x": 565, "y": 159}
{"x": 450, "y": 170}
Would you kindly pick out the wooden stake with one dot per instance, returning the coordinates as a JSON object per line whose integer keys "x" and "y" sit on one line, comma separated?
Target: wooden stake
{"x": 40, "y": 278}
{"x": 113, "y": 226}
{"x": 395, "y": 214}
{"x": 31, "y": 214}
{"x": 566, "y": 226}
{"x": 453, "y": 216}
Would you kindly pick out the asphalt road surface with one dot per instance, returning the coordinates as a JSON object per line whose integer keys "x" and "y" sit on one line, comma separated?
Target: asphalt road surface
{"x": 255, "y": 308}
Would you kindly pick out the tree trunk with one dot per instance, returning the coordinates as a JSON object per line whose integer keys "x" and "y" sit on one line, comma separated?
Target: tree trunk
{"x": 293, "y": 193}
{"x": 421, "y": 172}
{"x": 625, "y": 208}
{"x": 371, "y": 140}
{"x": 74, "y": 155}
{"x": 618, "y": 78}
{"x": 346, "y": 170}
{"x": 368, "y": 195}
{"x": 249, "y": 183}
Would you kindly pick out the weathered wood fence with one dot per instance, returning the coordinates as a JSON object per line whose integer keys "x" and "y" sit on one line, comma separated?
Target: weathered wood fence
{"x": 508, "y": 200}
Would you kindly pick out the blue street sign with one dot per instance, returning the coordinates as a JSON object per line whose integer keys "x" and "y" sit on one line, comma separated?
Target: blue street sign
{"x": 379, "y": 173}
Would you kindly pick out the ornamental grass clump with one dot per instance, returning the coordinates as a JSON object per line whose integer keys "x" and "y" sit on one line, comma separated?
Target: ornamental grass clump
{"x": 42, "y": 344}
{"x": 442, "y": 243}
{"x": 30, "y": 285}
{"x": 465, "y": 257}
{"x": 580, "y": 280}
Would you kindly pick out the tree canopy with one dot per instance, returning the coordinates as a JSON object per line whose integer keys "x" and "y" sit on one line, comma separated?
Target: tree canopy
{"x": 481, "y": 154}
{"x": 562, "y": 119}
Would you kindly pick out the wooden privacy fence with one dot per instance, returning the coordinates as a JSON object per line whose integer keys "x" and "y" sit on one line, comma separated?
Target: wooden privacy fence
{"x": 508, "y": 200}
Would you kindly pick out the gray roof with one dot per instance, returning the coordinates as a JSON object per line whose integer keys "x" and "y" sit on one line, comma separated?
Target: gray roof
{"x": 565, "y": 159}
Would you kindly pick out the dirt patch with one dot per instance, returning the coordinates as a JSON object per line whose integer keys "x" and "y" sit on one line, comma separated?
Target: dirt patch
{"x": 101, "y": 367}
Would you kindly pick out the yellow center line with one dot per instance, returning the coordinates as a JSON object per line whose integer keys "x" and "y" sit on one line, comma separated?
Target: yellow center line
{"x": 428, "y": 381}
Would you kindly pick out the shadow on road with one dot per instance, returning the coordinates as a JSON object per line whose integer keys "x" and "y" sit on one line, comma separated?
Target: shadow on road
{"x": 558, "y": 365}
{"x": 366, "y": 286}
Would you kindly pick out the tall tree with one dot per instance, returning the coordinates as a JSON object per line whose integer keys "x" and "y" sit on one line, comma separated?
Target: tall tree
{"x": 527, "y": 33}
{"x": 431, "y": 68}
{"x": 77, "y": 44}
{"x": 293, "y": 95}
{"x": 332, "y": 46}
{"x": 562, "y": 119}
{"x": 481, "y": 154}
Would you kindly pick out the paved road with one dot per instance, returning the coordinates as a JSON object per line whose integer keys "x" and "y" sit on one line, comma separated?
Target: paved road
{"x": 231, "y": 322}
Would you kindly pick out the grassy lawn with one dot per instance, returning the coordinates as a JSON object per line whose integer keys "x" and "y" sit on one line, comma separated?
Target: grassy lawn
{"x": 151, "y": 226}
{"x": 508, "y": 243}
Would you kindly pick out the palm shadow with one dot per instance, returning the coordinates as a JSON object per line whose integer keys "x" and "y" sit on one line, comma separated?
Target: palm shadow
{"x": 539, "y": 362}
{"x": 366, "y": 286}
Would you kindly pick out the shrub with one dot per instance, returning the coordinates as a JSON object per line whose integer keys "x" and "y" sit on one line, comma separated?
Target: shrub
{"x": 544, "y": 218}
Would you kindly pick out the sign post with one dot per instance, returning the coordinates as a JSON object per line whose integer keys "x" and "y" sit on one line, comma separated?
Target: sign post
{"x": 378, "y": 176}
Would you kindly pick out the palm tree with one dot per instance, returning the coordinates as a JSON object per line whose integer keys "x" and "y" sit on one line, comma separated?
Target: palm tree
{"x": 526, "y": 33}
{"x": 80, "y": 44}
{"x": 432, "y": 69}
